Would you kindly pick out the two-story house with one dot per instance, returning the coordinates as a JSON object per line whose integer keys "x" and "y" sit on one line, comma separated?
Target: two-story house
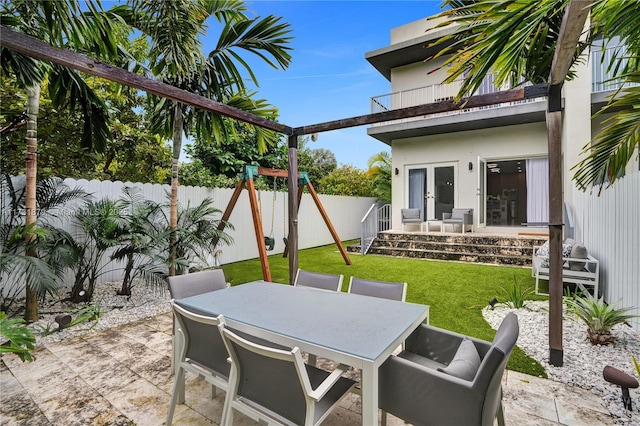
{"x": 492, "y": 159}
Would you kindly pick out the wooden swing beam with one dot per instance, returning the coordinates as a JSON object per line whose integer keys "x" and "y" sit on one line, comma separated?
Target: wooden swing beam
{"x": 246, "y": 180}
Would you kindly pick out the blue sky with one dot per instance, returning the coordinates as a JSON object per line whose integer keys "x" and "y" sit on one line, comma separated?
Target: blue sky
{"x": 329, "y": 77}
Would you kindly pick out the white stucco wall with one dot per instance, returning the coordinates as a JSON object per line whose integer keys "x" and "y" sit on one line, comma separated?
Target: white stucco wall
{"x": 461, "y": 148}
{"x": 415, "y": 29}
{"x": 577, "y": 113}
{"x": 417, "y": 75}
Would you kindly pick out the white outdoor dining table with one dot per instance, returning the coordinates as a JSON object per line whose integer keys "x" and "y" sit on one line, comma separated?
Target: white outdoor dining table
{"x": 356, "y": 330}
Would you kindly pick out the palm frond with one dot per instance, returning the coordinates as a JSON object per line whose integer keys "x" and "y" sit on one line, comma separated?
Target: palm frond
{"x": 36, "y": 273}
{"x": 612, "y": 149}
{"x": 513, "y": 39}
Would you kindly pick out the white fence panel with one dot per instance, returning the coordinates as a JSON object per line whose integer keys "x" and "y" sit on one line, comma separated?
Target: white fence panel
{"x": 344, "y": 213}
{"x": 609, "y": 227}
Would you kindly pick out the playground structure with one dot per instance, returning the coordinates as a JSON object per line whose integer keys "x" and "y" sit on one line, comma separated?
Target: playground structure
{"x": 246, "y": 181}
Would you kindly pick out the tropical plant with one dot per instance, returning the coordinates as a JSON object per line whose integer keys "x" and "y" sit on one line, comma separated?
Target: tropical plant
{"x": 515, "y": 297}
{"x": 517, "y": 40}
{"x": 347, "y": 180}
{"x": 53, "y": 253}
{"x": 194, "y": 173}
{"x": 215, "y": 76}
{"x": 102, "y": 225}
{"x": 16, "y": 338}
{"x": 139, "y": 232}
{"x": 64, "y": 24}
{"x": 197, "y": 237}
{"x": 144, "y": 242}
{"x": 599, "y": 317}
{"x": 380, "y": 171}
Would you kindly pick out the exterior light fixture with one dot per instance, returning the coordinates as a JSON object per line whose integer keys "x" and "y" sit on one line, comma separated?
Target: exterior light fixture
{"x": 470, "y": 165}
{"x": 397, "y": 171}
{"x": 493, "y": 302}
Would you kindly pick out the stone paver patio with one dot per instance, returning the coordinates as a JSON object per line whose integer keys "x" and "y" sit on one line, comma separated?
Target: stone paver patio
{"x": 122, "y": 376}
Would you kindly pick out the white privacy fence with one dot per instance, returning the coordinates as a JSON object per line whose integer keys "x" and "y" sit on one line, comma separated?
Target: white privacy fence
{"x": 609, "y": 226}
{"x": 345, "y": 214}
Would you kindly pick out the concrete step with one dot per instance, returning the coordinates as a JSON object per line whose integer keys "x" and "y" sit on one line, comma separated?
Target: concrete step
{"x": 476, "y": 248}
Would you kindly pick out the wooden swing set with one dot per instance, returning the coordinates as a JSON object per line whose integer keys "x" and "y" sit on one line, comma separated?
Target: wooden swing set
{"x": 246, "y": 181}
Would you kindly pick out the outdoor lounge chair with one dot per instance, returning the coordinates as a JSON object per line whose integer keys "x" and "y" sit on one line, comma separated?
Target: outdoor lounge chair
{"x": 382, "y": 289}
{"x": 445, "y": 378}
{"x": 411, "y": 216}
{"x": 462, "y": 217}
{"x": 276, "y": 386}
{"x": 318, "y": 280}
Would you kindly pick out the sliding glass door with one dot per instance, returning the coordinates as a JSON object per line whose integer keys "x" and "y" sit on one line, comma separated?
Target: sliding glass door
{"x": 432, "y": 189}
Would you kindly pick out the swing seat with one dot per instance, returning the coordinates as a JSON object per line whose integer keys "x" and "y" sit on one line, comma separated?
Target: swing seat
{"x": 270, "y": 243}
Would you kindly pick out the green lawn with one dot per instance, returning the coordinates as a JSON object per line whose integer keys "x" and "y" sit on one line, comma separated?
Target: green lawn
{"x": 455, "y": 292}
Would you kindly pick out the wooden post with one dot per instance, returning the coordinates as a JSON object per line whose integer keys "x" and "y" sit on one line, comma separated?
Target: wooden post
{"x": 573, "y": 23}
{"x": 554, "y": 129}
{"x": 257, "y": 226}
{"x": 227, "y": 212}
{"x": 332, "y": 230}
{"x": 293, "y": 207}
{"x": 285, "y": 253}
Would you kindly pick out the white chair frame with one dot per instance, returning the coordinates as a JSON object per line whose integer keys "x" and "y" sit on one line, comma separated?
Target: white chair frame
{"x": 183, "y": 363}
{"x": 232, "y": 402}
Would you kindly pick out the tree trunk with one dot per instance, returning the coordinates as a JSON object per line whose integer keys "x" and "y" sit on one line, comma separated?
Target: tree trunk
{"x": 126, "y": 281}
{"x": 33, "y": 104}
{"x": 173, "y": 212}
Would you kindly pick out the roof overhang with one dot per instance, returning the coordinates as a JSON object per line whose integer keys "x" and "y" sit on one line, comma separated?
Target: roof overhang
{"x": 408, "y": 52}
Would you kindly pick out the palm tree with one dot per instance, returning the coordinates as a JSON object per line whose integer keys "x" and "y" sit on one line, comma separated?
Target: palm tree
{"x": 380, "y": 171}
{"x": 62, "y": 24}
{"x": 517, "y": 40}
{"x": 174, "y": 29}
{"x": 53, "y": 253}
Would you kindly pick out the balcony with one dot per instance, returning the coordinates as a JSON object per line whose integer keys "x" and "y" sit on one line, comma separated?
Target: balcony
{"x": 508, "y": 113}
{"x": 526, "y": 111}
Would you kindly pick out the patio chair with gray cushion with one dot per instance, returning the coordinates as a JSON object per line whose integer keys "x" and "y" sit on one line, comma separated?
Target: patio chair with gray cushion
{"x": 318, "y": 280}
{"x": 203, "y": 353}
{"x": 382, "y": 289}
{"x": 181, "y": 286}
{"x": 445, "y": 378}
{"x": 462, "y": 217}
{"x": 411, "y": 216}
{"x": 187, "y": 285}
{"x": 277, "y": 387}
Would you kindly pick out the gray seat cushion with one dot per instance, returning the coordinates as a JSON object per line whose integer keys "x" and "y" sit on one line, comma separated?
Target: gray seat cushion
{"x": 418, "y": 359}
{"x": 578, "y": 251}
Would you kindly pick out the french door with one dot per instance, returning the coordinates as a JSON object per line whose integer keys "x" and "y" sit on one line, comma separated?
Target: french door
{"x": 432, "y": 189}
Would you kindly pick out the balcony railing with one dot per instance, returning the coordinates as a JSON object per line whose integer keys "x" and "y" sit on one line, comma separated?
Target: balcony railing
{"x": 601, "y": 81}
{"x": 436, "y": 93}
{"x": 601, "y": 71}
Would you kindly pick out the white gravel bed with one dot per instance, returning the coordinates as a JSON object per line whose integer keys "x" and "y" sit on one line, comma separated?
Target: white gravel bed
{"x": 115, "y": 310}
{"x": 583, "y": 362}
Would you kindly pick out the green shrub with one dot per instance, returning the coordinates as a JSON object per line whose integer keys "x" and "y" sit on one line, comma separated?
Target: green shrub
{"x": 16, "y": 338}
{"x": 515, "y": 296}
{"x": 599, "y": 317}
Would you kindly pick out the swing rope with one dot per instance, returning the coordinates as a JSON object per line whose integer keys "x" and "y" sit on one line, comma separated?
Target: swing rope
{"x": 273, "y": 206}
